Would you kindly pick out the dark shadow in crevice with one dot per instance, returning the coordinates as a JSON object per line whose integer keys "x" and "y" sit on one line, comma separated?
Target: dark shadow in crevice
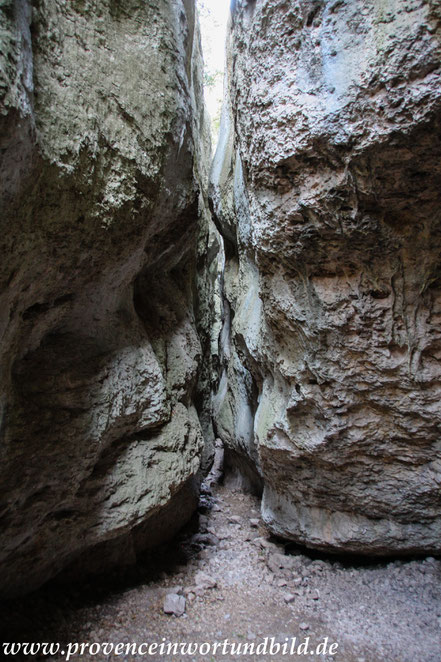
{"x": 240, "y": 473}
{"x": 347, "y": 560}
{"x": 53, "y": 613}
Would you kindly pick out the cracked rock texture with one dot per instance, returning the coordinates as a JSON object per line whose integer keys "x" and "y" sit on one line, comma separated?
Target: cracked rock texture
{"x": 103, "y": 141}
{"x": 326, "y": 188}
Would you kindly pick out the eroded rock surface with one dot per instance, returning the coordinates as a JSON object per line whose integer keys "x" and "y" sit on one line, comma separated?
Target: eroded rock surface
{"x": 102, "y": 159}
{"x": 326, "y": 187}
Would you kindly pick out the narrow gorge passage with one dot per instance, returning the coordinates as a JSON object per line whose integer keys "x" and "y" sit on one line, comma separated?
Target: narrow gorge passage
{"x": 274, "y": 309}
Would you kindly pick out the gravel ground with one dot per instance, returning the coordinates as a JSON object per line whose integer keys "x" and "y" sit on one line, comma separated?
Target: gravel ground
{"x": 377, "y": 612}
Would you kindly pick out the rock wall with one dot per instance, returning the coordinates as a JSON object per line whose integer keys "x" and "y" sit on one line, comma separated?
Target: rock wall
{"x": 103, "y": 159}
{"x": 326, "y": 188}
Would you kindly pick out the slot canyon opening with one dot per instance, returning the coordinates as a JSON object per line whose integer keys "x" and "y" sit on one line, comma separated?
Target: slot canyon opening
{"x": 239, "y": 355}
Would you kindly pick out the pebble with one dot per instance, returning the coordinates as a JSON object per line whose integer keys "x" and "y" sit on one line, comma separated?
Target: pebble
{"x": 289, "y": 597}
{"x": 304, "y": 626}
{"x": 263, "y": 542}
{"x": 224, "y": 535}
{"x": 174, "y": 604}
{"x": 235, "y": 519}
{"x": 254, "y": 523}
{"x": 205, "y": 554}
{"x": 205, "y": 539}
{"x": 277, "y": 561}
{"x": 319, "y": 565}
{"x": 175, "y": 589}
{"x": 203, "y": 520}
{"x": 204, "y": 581}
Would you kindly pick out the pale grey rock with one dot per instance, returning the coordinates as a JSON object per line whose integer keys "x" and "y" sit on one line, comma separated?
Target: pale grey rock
{"x": 204, "y": 581}
{"x": 103, "y": 169}
{"x": 205, "y": 539}
{"x": 326, "y": 189}
{"x": 217, "y": 469}
{"x": 277, "y": 561}
{"x": 174, "y": 604}
{"x": 235, "y": 519}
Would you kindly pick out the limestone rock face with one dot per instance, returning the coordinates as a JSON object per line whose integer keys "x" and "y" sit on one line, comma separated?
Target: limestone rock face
{"x": 326, "y": 187}
{"x": 102, "y": 162}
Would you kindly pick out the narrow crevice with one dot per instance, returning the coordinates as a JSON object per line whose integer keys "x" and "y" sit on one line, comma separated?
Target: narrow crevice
{"x": 208, "y": 411}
